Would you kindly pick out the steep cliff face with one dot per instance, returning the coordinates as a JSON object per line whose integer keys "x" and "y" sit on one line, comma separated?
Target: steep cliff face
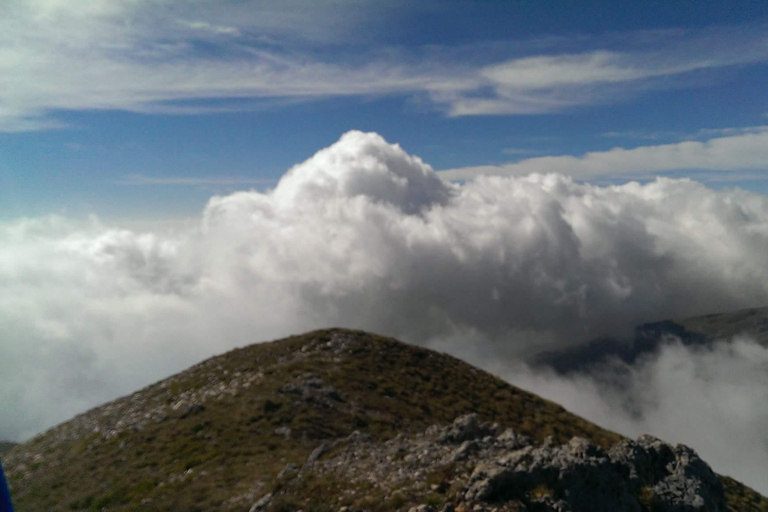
{"x": 339, "y": 418}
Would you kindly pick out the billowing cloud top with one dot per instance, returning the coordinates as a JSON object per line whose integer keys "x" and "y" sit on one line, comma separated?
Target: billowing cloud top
{"x": 363, "y": 164}
{"x": 363, "y": 235}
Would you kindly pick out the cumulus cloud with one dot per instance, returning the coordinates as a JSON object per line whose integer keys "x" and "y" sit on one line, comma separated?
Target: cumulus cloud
{"x": 365, "y": 235}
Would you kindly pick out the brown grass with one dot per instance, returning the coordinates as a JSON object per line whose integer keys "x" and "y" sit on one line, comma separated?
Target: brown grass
{"x": 230, "y": 448}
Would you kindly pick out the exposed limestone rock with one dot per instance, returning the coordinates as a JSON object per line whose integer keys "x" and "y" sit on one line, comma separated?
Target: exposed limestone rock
{"x": 316, "y": 453}
{"x": 580, "y": 477}
{"x": 261, "y": 504}
{"x": 466, "y": 428}
{"x": 310, "y": 386}
{"x": 509, "y": 472}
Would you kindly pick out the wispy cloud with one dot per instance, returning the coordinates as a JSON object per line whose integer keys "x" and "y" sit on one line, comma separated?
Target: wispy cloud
{"x": 746, "y": 150}
{"x": 135, "y": 56}
{"x": 638, "y": 134}
{"x": 140, "y": 179}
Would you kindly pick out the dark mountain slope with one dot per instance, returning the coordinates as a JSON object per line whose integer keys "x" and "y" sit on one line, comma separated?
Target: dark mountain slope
{"x": 218, "y": 435}
{"x": 700, "y": 330}
{"x": 750, "y": 322}
{"x": 5, "y": 446}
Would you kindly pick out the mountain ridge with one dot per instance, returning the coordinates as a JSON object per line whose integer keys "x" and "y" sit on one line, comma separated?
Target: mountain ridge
{"x": 258, "y": 409}
{"x": 650, "y": 336}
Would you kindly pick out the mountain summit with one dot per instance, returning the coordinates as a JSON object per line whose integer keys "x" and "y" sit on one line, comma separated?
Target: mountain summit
{"x": 347, "y": 420}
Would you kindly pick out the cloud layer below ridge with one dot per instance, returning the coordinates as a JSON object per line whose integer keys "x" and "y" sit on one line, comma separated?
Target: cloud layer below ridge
{"x": 365, "y": 235}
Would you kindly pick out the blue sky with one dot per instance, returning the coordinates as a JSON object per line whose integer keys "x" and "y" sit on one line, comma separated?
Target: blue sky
{"x": 142, "y": 110}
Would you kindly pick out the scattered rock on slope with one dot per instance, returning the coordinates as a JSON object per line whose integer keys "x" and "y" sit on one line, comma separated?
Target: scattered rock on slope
{"x": 338, "y": 418}
{"x": 511, "y": 472}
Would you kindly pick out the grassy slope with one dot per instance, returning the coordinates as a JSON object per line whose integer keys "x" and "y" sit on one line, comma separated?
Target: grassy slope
{"x": 5, "y": 447}
{"x": 231, "y": 446}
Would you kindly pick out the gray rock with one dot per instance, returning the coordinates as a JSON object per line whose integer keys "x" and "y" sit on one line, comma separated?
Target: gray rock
{"x": 262, "y": 503}
{"x": 510, "y": 440}
{"x": 465, "y": 428}
{"x": 357, "y": 437}
{"x": 581, "y": 477}
{"x": 283, "y": 431}
{"x": 192, "y": 410}
{"x": 690, "y": 485}
{"x": 309, "y": 387}
{"x": 316, "y": 454}
{"x": 462, "y": 451}
{"x": 488, "y": 482}
{"x": 290, "y": 470}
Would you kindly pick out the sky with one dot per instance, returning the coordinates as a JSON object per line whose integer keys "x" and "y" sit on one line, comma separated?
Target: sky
{"x": 490, "y": 179}
{"x": 140, "y": 110}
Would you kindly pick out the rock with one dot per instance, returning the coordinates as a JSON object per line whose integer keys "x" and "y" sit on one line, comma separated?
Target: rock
{"x": 290, "y": 470}
{"x": 462, "y": 451}
{"x": 283, "y": 431}
{"x": 192, "y": 410}
{"x": 357, "y": 437}
{"x": 316, "y": 453}
{"x": 488, "y": 481}
{"x": 465, "y": 428}
{"x": 581, "y": 477}
{"x": 309, "y": 386}
{"x": 690, "y": 484}
{"x": 262, "y": 503}
{"x": 421, "y": 508}
{"x": 513, "y": 441}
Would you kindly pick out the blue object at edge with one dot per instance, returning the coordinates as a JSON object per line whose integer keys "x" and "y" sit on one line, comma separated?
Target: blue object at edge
{"x": 5, "y": 494}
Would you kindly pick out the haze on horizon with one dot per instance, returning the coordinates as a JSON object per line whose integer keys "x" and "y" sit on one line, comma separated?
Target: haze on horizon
{"x": 177, "y": 179}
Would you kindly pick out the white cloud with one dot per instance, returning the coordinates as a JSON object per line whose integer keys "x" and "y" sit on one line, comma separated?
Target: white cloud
{"x": 144, "y": 56}
{"x": 364, "y": 235}
{"x": 712, "y": 398}
{"x": 747, "y": 149}
{"x": 139, "y": 56}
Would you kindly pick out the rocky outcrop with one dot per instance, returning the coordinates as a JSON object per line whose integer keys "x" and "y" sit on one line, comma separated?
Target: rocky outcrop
{"x": 340, "y": 420}
{"x": 510, "y": 472}
{"x": 579, "y": 476}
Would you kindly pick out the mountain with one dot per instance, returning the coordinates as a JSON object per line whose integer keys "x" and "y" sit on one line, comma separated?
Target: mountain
{"x": 699, "y": 330}
{"x": 751, "y": 322}
{"x": 347, "y": 420}
{"x": 5, "y": 446}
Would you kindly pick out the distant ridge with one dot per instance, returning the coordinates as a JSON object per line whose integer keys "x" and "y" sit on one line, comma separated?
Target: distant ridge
{"x": 698, "y": 330}
{"x": 253, "y": 429}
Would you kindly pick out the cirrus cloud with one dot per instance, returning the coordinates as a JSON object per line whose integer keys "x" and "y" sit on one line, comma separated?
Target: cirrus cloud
{"x": 158, "y": 57}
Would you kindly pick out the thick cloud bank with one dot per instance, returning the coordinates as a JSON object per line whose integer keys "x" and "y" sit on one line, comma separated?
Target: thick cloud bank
{"x": 713, "y": 398}
{"x": 365, "y": 235}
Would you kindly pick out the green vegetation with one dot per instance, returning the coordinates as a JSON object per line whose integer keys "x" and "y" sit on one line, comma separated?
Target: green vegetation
{"x": 226, "y": 450}
{"x": 741, "y": 498}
